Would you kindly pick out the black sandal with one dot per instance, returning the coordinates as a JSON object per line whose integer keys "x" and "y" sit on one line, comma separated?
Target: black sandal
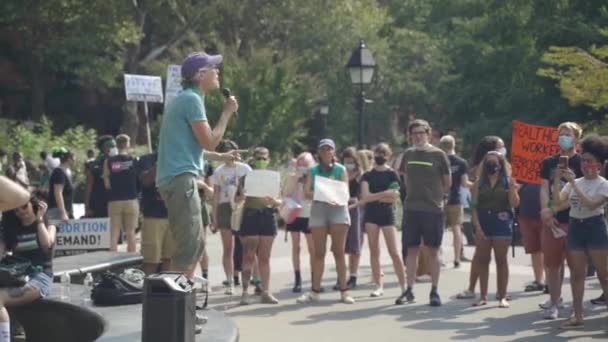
{"x": 534, "y": 287}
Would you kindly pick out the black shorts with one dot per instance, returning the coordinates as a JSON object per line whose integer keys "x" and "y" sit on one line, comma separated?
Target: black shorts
{"x": 299, "y": 225}
{"x": 258, "y": 222}
{"x": 421, "y": 226}
{"x": 380, "y": 215}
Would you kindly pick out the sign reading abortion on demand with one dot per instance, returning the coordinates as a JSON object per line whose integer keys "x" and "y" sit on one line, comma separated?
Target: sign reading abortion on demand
{"x": 84, "y": 234}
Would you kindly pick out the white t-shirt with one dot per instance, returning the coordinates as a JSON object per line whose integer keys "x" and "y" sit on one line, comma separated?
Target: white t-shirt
{"x": 226, "y": 178}
{"x": 593, "y": 189}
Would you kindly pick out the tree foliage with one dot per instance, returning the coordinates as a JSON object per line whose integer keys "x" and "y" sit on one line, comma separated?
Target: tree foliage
{"x": 466, "y": 65}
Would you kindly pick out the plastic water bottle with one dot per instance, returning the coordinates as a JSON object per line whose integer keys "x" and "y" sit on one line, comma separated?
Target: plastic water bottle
{"x": 88, "y": 287}
{"x": 65, "y": 281}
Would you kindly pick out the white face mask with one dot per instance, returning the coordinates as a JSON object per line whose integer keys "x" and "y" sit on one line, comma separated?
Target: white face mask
{"x": 113, "y": 151}
{"x": 503, "y": 151}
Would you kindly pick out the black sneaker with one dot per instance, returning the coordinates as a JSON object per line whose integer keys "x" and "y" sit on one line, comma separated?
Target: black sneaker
{"x": 336, "y": 287}
{"x": 258, "y": 290}
{"x": 237, "y": 281}
{"x": 434, "y": 299}
{"x": 198, "y": 329}
{"x": 601, "y": 300}
{"x": 406, "y": 297}
{"x": 352, "y": 283}
{"x": 297, "y": 288}
{"x": 456, "y": 264}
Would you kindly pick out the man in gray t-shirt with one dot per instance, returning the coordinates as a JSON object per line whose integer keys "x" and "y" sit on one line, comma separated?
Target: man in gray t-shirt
{"x": 428, "y": 181}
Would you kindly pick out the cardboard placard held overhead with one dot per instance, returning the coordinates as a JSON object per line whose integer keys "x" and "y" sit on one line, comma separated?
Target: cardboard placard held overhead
{"x": 530, "y": 145}
{"x": 143, "y": 88}
{"x": 174, "y": 82}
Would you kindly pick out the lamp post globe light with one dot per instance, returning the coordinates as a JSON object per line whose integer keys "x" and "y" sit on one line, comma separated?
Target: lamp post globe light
{"x": 361, "y": 67}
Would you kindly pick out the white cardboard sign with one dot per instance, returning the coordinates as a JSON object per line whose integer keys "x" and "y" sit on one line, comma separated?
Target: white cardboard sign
{"x": 263, "y": 183}
{"x": 331, "y": 191}
{"x": 83, "y": 234}
{"x": 143, "y": 88}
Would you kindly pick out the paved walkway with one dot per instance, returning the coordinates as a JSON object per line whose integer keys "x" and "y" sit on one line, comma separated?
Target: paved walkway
{"x": 378, "y": 320}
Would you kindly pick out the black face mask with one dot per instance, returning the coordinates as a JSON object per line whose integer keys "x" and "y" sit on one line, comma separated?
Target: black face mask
{"x": 491, "y": 167}
{"x": 380, "y": 160}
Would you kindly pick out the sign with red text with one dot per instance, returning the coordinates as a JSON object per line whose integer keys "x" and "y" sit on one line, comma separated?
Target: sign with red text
{"x": 530, "y": 145}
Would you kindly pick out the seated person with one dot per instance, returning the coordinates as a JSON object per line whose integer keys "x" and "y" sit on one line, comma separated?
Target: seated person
{"x": 24, "y": 232}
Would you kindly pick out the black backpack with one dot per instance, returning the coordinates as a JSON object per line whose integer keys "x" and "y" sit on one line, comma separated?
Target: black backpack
{"x": 113, "y": 290}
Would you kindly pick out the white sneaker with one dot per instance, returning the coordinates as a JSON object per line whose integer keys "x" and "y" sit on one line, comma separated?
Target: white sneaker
{"x": 244, "y": 299}
{"x": 551, "y": 313}
{"x": 346, "y": 299}
{"x": 548, "y": 304}
{"x": 229, "y": 290}
{"x": 378, "y": 291}
{"x": 309, "y": 297}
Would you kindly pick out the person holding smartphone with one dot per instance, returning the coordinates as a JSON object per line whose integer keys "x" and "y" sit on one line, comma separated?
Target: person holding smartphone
{"x": 587, "y": 233}
{"x": 555, "y": 217}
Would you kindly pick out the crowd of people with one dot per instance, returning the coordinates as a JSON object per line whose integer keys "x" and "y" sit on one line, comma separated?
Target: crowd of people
{"x": 181, "y": 198}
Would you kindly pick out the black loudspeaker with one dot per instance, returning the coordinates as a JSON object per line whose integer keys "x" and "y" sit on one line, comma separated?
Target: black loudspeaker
{"x": 169, "y": 308}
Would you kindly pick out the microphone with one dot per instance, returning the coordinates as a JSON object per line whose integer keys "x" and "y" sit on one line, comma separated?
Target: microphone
{"x": 227, "y": 93}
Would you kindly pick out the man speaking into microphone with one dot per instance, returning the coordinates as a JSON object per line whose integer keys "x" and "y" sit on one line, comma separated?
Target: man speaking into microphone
{"x": 184, "y": 134}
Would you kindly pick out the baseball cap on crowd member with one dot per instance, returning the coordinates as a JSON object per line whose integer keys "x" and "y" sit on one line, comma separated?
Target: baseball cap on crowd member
{"x": 199, "y": 60}
{"x": 327, "y": 142}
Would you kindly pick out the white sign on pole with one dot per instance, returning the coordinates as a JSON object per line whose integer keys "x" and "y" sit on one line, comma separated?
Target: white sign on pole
{"x": 263, "y": 183}
{"x": 83, "y": 234}
{"x": 143, "y": 88}
{"x": 174, "y": 82}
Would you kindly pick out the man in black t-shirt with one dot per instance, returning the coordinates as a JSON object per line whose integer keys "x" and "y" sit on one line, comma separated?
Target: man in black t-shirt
{"x": 96, "y": 197}
{"x": 120, "y": 179}
{"x": 454, "y": 209}
{"x": 157, "y": 243}
{"x": 555, "y": 220}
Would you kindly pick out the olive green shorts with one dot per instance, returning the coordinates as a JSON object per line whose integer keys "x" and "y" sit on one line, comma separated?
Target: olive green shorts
{"x": 224, "y": 213}
{"x": 185, "y": 219}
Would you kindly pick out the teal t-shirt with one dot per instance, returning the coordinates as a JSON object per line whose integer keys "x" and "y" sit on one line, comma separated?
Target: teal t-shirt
{"x": 335, "y": 173}
{"x": 178, "y": 150}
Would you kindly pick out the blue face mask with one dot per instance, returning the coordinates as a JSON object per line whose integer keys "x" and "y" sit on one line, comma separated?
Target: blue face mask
{"x": 565, "y": 142}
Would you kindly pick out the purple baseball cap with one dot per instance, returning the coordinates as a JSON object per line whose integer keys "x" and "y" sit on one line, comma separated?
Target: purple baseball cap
{"x": 198, "y": 60}
{"x": 327, "y": 142}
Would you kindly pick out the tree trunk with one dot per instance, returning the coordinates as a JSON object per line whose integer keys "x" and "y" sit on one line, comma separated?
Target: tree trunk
{"x": 130, "y": 122}
{"x": 38, "y": 89}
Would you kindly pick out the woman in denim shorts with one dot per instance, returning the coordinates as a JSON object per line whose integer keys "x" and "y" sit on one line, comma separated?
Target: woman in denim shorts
{"x": 327, "y": 219}
{"x": 494, "y": 195}
{"x": 24, "y": 232}
{"x": 587, "y": 232}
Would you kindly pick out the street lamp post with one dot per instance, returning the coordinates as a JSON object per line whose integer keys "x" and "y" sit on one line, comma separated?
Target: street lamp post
{"x": 361, "y": 67}
{"x": 324, "y": 111}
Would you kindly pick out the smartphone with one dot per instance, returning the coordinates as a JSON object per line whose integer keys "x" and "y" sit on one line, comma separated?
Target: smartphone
{"x": 563, "y": 162}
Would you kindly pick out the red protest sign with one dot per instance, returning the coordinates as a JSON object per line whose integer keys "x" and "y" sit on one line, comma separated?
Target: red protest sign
{"x": 530, "y": 145}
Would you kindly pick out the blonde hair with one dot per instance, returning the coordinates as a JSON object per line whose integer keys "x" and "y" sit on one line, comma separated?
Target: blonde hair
{"x": 447, "y": 143}
{"x": 365, "y": 158}
{"x": 306, "y": 158}
{"x": 573, "y": 126}
{"x": 122, "y": 141}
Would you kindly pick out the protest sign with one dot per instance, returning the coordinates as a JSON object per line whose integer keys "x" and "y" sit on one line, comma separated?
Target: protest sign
{"x": 83, "y": 234}
{"x": 143, "y": 88}
{"x": 331, "y": 191}
{"x": 530, "y": 145}
{"x": 263, "y": 183}
{"x": 174, "y": 82}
